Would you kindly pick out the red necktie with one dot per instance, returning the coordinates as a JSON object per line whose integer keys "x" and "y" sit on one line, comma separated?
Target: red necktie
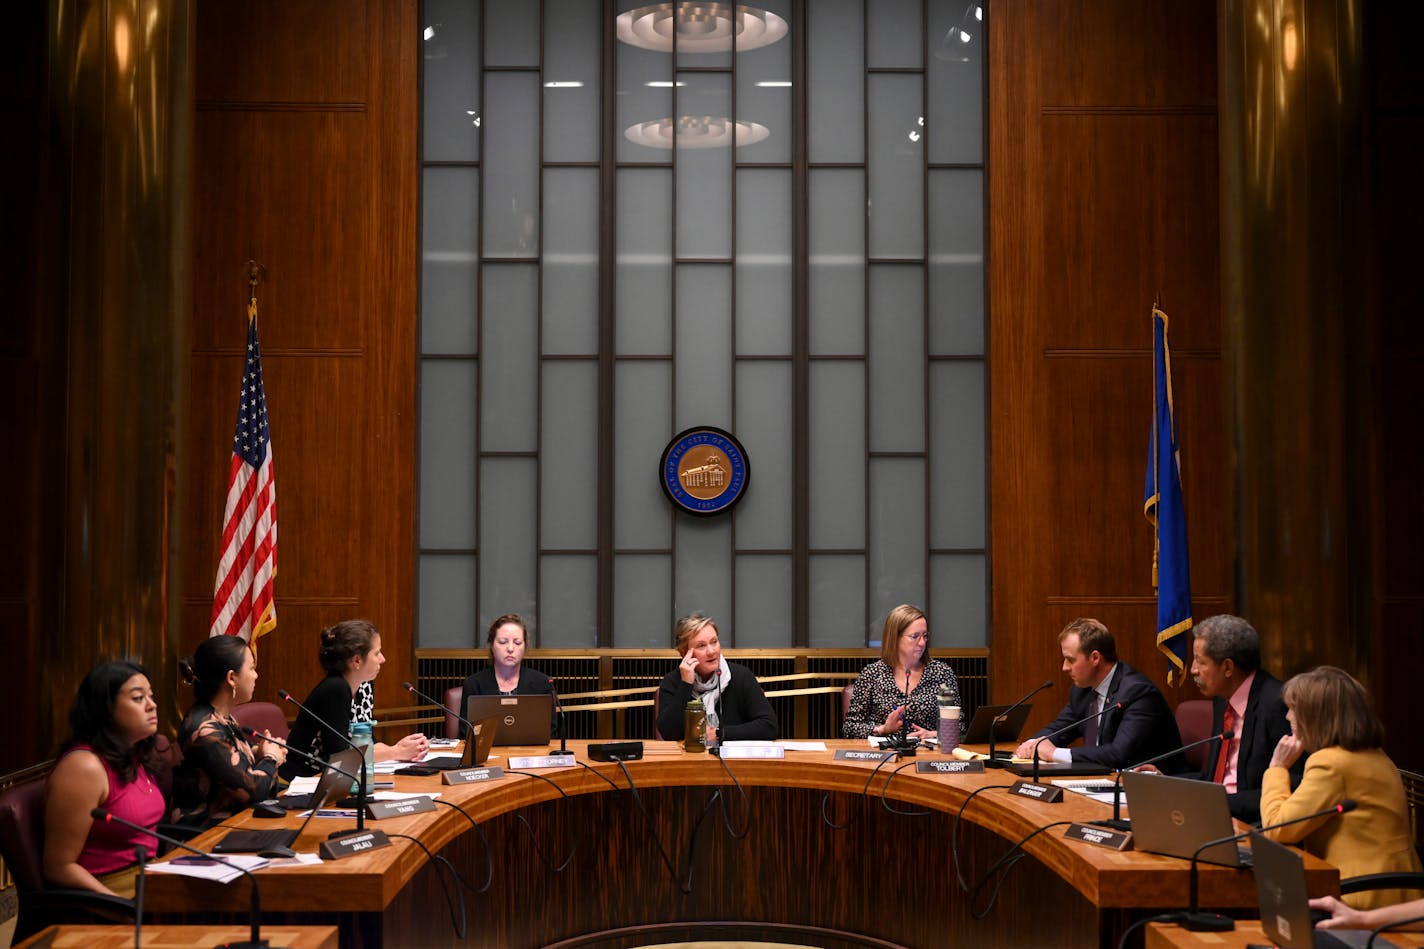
{"x": 1228, "y": 723}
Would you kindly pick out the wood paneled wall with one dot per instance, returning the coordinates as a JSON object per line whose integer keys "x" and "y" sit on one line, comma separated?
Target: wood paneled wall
{"x": 1102, "y": 197}
{"x": 305, "y": 159}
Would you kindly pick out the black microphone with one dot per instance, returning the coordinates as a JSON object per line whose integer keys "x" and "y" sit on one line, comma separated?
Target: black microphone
{"x": 1002, "y": 759}
{"x": 1069, "y": 727}
{"x": 255, "y": 910}
{"x": 718, "y": 743}
{"x": 1117, "y": 823}
{"x": 563, "y": 723}
{"x": 252, "y": 734}
{"x": 141, "y": 854}
{"x": 469, "y": 728}
{"x": 361, "y": 783}
{"x": 1215, "y": 922}
{"x": 903, "y": 744}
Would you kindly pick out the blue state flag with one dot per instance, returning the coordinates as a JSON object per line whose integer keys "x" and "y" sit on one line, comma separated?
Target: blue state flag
{"x": 1171, "y": 574}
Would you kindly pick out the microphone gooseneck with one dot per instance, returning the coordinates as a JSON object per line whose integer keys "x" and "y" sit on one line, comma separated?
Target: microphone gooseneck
{"x": 1117, "y": 823}
{"x": 255, "y": 907}
{"x": 361, "y": 782}
{"x": 469, "y": 728}
{"x": 1215, "y": 922}
{"x": 563, "y": 723}
{"x": 995, "y": 759}
{"x": 141, "y": 855}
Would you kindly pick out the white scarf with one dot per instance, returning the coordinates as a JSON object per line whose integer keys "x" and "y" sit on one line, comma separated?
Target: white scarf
{"x": 709, "y": 691}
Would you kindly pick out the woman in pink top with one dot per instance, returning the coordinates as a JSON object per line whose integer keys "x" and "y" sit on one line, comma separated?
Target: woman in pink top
{"x": 111, "y": 733}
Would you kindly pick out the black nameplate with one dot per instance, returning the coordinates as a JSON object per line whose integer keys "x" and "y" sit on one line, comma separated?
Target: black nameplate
{"x": 949, "y": 767}
{"x": 353, "y": 843}
{"x": 847, "y": 754}
{"x": 377, "y": 810}
{"x": 1089, "y": 834}
{"x": 1047, "y": 793}
{"x": 471, "y": 775}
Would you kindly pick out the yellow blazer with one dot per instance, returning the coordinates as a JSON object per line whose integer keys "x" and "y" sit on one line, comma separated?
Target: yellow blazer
{"x": 1373, "y": 838}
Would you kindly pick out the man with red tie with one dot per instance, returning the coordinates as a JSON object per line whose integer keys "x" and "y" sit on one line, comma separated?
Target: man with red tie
{"x": 1246, "y": 699}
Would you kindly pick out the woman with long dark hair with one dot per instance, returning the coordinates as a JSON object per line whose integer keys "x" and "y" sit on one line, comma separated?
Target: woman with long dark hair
{"x": 112, "y": 725}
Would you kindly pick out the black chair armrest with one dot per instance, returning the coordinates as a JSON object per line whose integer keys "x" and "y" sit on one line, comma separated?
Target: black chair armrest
{"x": 41, "y": 908}
{"x": 1399, "y": 880}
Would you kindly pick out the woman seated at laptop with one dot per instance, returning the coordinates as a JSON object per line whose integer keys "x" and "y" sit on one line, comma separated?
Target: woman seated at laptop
{"x": 222, "y": 772}
{"x": 737, "y": 709}
{"x": 506, "y": 674}
{"x": 104, "y": 763}
{"x": 1332, "y": 721}
{"x": 351, "y": 655}
{"x": 878, "y": 704}
{"x": 1342, "y": 916}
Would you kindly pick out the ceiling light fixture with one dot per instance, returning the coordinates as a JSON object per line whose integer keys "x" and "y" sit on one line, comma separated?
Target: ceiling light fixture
{"x": 700, "y": 27}
{"x": 696, "y": 131}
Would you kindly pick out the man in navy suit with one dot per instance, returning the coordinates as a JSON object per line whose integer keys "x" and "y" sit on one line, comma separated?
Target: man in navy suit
{"x": 1116, "y": 737}
{"x": 1226, "y": 665}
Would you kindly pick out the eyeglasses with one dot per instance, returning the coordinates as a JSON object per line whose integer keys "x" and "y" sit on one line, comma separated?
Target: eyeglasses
{"x": 916, "y": 637}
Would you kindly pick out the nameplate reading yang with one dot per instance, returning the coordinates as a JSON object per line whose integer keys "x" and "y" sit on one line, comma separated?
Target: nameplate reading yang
{"x": 1046, "y": 793}
{"x": 471, "y": 775}
{"x": 1101, "y": 836}
{"x": 411, "y": 805}
{"x": 949, "y": 767}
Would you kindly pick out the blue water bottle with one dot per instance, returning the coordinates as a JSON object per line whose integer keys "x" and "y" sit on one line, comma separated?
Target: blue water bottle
{"x": 364, "y": 738}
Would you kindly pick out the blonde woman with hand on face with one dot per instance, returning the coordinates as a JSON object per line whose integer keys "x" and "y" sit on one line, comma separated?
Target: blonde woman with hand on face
{"x": 737, "y": 709}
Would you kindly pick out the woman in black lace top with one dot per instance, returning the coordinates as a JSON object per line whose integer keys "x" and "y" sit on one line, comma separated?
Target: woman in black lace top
{"x": 222, "y": 772}
{"x": 877, "y": 706}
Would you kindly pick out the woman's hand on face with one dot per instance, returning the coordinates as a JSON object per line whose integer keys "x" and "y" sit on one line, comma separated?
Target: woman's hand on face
{"x": 688, "y": 667}
{"x": 1288, "y": 749}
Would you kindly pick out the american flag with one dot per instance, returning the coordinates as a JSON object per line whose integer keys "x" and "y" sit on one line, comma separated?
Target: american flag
{"x": 242, "y": 598}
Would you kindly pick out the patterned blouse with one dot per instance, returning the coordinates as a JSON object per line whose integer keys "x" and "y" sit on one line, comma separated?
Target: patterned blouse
{"x": 220, "y": 773}
{"x": 877, "y": 694}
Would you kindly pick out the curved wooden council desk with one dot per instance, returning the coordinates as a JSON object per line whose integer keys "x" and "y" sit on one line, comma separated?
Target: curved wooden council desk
{"x": 886, "y": 878}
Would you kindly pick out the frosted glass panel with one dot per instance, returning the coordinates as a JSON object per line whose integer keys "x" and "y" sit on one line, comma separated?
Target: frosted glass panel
{"x": 957, "y": 262}
{"x": 511, "y": 179}
{"x": 703, "y": 570}
{"x": 644, "y": 95}
{"x": 642, "y": 602}
{"x": 897, "y": 535}
{"x": 568, "y": 481}
{"x": 957, "y": 597}
{"x": 955, "y": 78}
{"x": 957, "y": 454}
{"x": 763, "y": 616}
{"x": 572, "y": 51}
{"x": 448, "y": 260}
{"x": 511, "y": 33}
{"x": 704, "y": 175}
{"x": 764, "y": 91}
{"x": 893, "y": 38}
{"x": 510, "y": 345}
{"x": 897, "y": 360}
{"x": 642, "y": 515}
{"x": 763, "y": 515}
{"x": 447, "y": 601}
{"x": 763, "y": 262}
{"x": 837, "y": 455}
{"x": 447, "y": 454}
{"x": 835, "y": 62}
{"x": 837, "y": 264}
{"x": 507, "y": 556}
{"x": 570, "y": 273}
{"x": 643, "y": 283}
{"x": 451, "y": 82}
{"x": 704, "y": 346}
{"x": 837, "y": 612}
{"x": 896, "y": 166}
{"x": 568, "y": 601}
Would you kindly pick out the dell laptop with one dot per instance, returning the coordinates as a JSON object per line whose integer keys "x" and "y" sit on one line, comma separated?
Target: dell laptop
{"x": 1175, "y": 816}
{"x": 523, "y": 719}
{"x": 1285, "y": 902}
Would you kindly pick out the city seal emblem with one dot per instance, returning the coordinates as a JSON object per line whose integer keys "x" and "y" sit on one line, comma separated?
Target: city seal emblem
{"x": 704, "y": 471}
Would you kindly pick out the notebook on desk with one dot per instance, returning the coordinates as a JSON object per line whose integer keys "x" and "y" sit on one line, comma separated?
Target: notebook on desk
{"x": 1285, "y": 902}
{"x": 523, "y": 719}
{"x": 1175, "y": 816}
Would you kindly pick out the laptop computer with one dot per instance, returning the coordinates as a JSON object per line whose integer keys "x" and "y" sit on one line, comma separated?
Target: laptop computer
{"x": 1004, "y": 732}
{"x": 523, "y": 719}
{"x": 1175, "y": 816}
{"x": 331, "y": 786}
{"x": 476, "y": 751}
{"x": 1285, "y": 902}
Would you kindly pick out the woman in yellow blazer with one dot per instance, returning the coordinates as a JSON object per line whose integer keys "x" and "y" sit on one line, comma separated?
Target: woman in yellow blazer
{"x": 1331, "y": 719}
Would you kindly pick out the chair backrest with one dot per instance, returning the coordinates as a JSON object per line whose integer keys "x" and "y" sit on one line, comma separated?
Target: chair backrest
{"x": 847, "y": 694}
{"x": 22, "y": 834}
{"x": 1194, "y": 722}
{"x": 453, "y": 710}
{"x": 1414, "y": 798}
{"x": 263, "y": 716}
{"x": 657, "y": 733}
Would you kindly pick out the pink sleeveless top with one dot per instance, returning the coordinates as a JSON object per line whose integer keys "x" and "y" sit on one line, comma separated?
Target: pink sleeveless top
{"x": 110, "y": 846}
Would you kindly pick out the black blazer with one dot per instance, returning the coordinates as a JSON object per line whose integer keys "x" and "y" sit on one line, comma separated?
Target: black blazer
{"x": 745, "y": 713}
{"x": 1144, "y": 727}
{"x": 1263, "y": 726}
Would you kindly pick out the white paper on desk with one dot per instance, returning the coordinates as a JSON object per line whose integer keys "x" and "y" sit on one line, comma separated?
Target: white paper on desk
{"x": 300, "y": 860}
{"x": 803, "y": 745}
{"x": 305, "y": 785}
{"x": 223, "y": 872}
{"x": 389, "y": 767}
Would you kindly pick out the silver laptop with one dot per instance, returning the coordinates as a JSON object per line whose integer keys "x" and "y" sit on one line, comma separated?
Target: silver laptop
{"x": 1285, "y": 902}
{"x": 523, "y": 719}
{"x": 1175, "y": 816}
